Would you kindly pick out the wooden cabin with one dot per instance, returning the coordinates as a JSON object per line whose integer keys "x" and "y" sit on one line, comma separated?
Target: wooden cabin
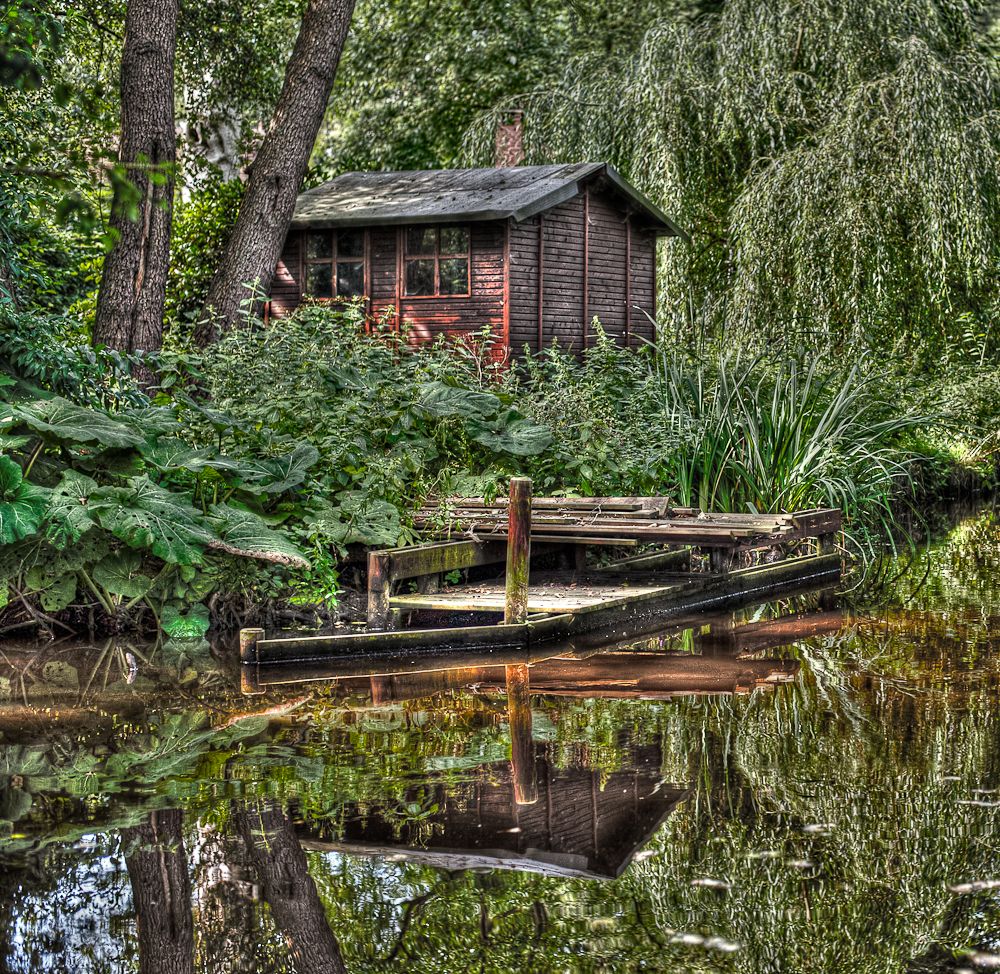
{"x": 533, "y": 252}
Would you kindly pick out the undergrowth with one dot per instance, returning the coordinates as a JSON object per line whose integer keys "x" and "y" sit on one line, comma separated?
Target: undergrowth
{"x": 259, "y": 466}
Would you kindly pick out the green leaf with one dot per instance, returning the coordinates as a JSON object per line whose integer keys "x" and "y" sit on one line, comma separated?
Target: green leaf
{"x": 69, "y": 423}
{"x": 242, "y": 532}
{"x": 192, "y": 624}
{"x": 59, "y": 594}
{"x": 514, "y": 434}
{"x": 173, "y": 453}
{"x": 443, "y": 400}
{"x": 358, "y": 520}
{"x": 68, "y": 514}
{"x": 155, "y": 420}
{"x": 22, "y": 505}
{"x": 121, "y": 574}
{"x": 144, "y": 515}
{"x": 274, "y": 476}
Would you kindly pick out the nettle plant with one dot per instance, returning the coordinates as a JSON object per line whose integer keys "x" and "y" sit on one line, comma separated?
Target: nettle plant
{"x": 114, "y": 514}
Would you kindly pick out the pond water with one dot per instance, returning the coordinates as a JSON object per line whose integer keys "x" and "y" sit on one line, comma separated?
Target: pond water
{"x": 788, "y": 788}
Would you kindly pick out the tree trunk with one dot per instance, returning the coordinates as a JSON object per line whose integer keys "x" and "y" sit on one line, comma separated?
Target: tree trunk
{"x": 289, "y": 890}
{"x": 134, "y": 279}
{"x": 279, "y": 167}
{"x": 161, "y": 894}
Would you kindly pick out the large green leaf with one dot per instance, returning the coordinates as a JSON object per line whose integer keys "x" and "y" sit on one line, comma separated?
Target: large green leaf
{"x": 144, "y": 515}
{"x": 68, "y": 514}
{"x": 274, "y": 476}
{"x": 245, "y": 533}
{"x": 171, "y": 453}
{"x": 440, "y": 399}
{"x": 513, "y": 434}
{"x": 121, "y": 573}
{"x": 22, "y": 505}
{"x": 358, "y": 520}
{"x": 62, "y": 420}
{"x": 185, "y": 625}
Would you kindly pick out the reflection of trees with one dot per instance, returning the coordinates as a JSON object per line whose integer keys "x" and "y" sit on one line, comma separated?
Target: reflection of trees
{"x": 288, "y": 888}
{"x": 161, "y": 893}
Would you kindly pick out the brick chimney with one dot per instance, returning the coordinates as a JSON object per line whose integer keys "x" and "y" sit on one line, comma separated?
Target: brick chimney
{"x": 509, "y": 143}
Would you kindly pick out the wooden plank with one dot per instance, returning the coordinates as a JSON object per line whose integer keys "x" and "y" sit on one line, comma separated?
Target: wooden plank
{"x": 677, "y": 559}
{"x": 447, "y": 556}
{"x": 491, "y": 598}
{"x": 361, "y": 643}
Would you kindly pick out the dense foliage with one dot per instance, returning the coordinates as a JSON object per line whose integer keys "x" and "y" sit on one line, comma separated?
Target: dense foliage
{"x": 290, "y": 445}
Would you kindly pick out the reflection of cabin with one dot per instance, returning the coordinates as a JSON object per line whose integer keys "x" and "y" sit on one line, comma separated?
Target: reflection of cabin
{"x": 534, "y": 252}
{"x": 578, "y": 827}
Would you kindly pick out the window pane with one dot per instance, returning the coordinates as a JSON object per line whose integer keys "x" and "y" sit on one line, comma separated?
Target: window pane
{"x": 319, "y": 280}
{"x": 350, "y": 279}
{"x": 455, "y": 276}
{"x": 319, "y": 244}
{"x": 454, "y": 240}
{"x": 420, "y": 277}
{"x": 351, "y": 243}
{"x": 420, "y": 240}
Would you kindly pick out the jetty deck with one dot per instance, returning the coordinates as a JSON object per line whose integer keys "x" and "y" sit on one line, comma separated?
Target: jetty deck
{"x": 520, "y": 572}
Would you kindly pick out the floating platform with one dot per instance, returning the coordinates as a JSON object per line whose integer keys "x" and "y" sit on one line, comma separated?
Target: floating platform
{"x": 549, "y": 589}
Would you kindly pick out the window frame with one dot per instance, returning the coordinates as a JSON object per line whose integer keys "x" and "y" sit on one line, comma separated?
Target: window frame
{"x": 332, "y": 261}
{"x": 437, "y": 256}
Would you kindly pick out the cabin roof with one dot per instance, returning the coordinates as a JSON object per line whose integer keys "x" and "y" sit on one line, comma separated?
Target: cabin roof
{"x": 461, "y": 195}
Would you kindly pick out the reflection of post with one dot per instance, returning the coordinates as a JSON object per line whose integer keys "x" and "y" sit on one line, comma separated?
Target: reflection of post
{"x": 381, "y": 689}
{"x": 161, "y": 893}
{"x": 522, "y": 749}
{"x": 518, "y": 551}
{"x": 249, "y": 677}
{"x": 289, "y": 890}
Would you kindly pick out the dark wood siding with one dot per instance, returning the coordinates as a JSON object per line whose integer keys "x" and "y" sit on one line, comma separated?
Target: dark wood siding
{"x": 524, "y": 285}
{"x": 612, "y": 239}
{"x": 562, "y": 287}
{"x": 643, "y": 284}
{"x": 286, "y": 285}
{"x": 606, "y": 266}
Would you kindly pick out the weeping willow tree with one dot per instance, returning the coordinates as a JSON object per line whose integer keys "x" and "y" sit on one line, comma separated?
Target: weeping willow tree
{"x": 836, "y": 163}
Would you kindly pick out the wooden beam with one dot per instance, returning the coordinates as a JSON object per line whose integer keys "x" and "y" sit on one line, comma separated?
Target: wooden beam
{"x": 541, "y": 281}
{"x": 518, "y": 551}
{"x": 586, "y": 266}
{"x": 628, "y": 280}
{"x": 506, "y": 285}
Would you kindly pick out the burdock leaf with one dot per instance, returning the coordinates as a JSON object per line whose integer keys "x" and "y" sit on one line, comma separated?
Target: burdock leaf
{"x": 144, "y": 515}
{"x": 245, "y": 533}
{"x": 69, "y": 423}
{"x": 22, "y": 505}
{"x": 121, "y": 574}
{"x": 68, "y": 514}
{"x": 274, "y": 476}
{"x": 515, "y": 435}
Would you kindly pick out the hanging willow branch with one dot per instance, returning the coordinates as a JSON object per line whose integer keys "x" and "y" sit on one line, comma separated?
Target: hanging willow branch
{"x": 837, "y": 163}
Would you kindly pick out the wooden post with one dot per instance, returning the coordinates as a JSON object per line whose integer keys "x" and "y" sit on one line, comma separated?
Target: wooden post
{"x": 518, "y": 551}
{"x": 379, "y": 590}
{"x": 522, "y": 748}
{"x": 249, "y": 682}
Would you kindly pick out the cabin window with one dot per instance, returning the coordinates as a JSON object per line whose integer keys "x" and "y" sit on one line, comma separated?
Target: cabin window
{"x": 335, "y": 263}
{"x": 436, "y": 261}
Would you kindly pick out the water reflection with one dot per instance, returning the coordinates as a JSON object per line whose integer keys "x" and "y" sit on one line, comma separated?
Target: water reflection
{"x": 787, "y": 789}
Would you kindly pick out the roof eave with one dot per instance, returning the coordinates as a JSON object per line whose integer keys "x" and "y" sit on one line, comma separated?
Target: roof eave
{"x": 669, "y": 227}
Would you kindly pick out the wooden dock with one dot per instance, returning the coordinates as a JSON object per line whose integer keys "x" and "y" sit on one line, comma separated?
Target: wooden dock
{"x": 567, "y": 566}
